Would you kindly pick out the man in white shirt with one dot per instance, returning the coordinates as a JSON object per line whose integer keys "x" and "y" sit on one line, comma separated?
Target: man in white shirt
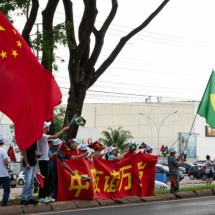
{"x": 43, "y": 148}
{"x": 4, "y": 176}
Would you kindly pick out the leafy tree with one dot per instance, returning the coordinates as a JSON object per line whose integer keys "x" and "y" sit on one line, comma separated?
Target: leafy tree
{"x": 83, "y": 55}
{"x": 116, "y": 137}
{"x": 57, "y": 124}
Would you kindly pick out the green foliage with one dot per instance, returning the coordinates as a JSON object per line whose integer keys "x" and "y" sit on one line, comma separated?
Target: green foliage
{"x": 116, "y": 137}
{"x": 10, "y": 6}
{"x": 57, "y": 124}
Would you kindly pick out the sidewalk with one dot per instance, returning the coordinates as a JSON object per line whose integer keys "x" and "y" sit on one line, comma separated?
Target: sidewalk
{"x": 74, "y": 204}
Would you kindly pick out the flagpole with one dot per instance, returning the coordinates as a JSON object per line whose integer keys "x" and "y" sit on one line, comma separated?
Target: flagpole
{"x": 71, "y": 120}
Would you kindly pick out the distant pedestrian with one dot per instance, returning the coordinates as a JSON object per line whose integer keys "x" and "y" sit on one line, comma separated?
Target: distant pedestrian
{"x": 4, "y": 176}
{"x": 173, "y": 164}
{"x": 209, "y": 169}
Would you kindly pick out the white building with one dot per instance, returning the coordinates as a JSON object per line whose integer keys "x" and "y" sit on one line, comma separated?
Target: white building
{"x": 155, "y": 123}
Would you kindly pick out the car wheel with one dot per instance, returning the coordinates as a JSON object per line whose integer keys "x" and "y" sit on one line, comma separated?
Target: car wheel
{"x": 204, "y": 177}
{"x": 13, "y": 186}
{"x": 191, "y": 177}
{"x": 20, "y": 182}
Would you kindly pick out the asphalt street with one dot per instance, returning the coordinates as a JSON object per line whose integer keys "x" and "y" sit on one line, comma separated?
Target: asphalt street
{"x": 194, "y": 206}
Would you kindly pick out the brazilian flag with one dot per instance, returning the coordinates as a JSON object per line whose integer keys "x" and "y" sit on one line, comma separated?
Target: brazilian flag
{"x": 78, "y": 120}
{"x": 207, "y": 105}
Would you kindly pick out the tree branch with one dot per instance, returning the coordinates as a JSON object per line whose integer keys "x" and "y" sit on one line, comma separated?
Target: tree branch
{"x": 48, "y": 40}
{"x": 30, "y": 21}
{"x": 99, "y": 36}
{"x": 86, "y": 26}
{"x": 124, "y": 40}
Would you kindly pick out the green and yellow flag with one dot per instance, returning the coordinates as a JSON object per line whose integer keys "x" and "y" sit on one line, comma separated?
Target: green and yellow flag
{"x": 78, "y": 120}
{"x": 207, "y": 105}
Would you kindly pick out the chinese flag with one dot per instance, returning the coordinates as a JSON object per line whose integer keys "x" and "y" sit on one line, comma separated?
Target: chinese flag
{"x": 28, "y": 92}
{"x": 11, "y": 153}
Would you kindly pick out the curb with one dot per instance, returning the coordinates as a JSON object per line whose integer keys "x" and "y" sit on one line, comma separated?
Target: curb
{"x": 74, "y": 204}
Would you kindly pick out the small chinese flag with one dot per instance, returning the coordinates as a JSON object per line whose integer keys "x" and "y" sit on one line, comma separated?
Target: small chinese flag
{"x": 11, "y": 153}
{"x": 162, "y": 148}
{"x": 40, "y": 180}
{"x": 28, "y": 92}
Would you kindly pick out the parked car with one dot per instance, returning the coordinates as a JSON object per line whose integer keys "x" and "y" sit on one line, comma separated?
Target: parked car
{"x": 20, "y": 179}
{"x": 202, "y": 173}
{"x": 160, "y": 185}
{"x": 194, "y": 172}
{"x": 200, "y": 162}
{"x": 187, "y": 166}
{"x": 182, "y": 169}
{"x": 165, "y": 169}
{"x": 13, "y": 177}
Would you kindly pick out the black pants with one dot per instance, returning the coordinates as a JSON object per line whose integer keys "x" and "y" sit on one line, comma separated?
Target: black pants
{"x": 44, "y": 170}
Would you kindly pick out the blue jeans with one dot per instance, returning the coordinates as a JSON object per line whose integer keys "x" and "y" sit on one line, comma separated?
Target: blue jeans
{"x": 28, "y": 187}
{"x": 5, "y": 182}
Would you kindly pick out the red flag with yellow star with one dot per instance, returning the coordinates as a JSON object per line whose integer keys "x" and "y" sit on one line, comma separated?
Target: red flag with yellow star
{"x": 28, "y": 92}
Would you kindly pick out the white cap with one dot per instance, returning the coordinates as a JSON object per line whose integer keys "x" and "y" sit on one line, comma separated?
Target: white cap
{"x": 1, "y": 139}
{"x": 83, "y": 147}
{"x": 57, "y": 142}
{"x": 111, "y": 148}
{"x": 47, "y": 124}
{"x": 148, "y": 147}
{"x": 171, "y": 150}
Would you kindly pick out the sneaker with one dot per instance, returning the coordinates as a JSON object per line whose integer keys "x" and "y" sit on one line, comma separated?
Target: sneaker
{"x": 33, "y": 202}
{"x": 44, "y": 200}
{"x": 23, "y": 202}
{"x": 51, "y": 199}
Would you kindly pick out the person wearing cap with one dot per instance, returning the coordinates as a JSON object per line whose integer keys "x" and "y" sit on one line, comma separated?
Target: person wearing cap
{"x": 43, "y": 148}
{"x": 173, "y": 164}
{"x": 4, "y": 176}
{"x": 112, "y": 154}
{"x": 56, "y": 152}
{"x": 97, "y": 147}
{"x": 148, "y": 149}
{"x": 30, "y": 157}
{"x": 75, "y": 151}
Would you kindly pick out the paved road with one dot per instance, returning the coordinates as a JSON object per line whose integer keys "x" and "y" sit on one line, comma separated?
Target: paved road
{"x": 195, "y": 206}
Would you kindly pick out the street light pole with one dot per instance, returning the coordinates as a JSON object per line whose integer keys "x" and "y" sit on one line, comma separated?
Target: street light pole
{"x": 158, "y": 127}
{"x": 162, "y": 124}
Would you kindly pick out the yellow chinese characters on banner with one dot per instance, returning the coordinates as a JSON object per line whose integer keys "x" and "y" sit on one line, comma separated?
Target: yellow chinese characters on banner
{"x": 134, "y": 175}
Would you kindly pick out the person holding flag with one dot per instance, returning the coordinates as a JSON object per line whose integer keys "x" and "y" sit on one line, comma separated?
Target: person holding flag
{"x": 173, "y": 164}
{"x": 43, "y": 148}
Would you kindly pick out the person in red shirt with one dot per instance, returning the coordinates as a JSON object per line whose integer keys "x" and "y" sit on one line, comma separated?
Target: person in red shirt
{"x": 75, "y": 152}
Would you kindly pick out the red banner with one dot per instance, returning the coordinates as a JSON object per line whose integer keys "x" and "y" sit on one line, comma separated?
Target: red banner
{"x": 130, "y": 176}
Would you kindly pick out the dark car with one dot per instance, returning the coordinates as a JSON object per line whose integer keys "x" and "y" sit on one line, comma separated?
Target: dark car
{"x": 194, "y": 172}
{"x": 187, "y": 166}
{"x": 165, "y": 169}
{"x": 202, "y": 173}
{"x": 200, "y": 162}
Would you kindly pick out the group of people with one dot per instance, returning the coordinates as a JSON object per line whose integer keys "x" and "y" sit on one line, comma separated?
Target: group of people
{"x": 46, "y": 149}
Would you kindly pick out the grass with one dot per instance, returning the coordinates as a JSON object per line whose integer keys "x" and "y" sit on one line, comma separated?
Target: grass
{"x": 184, "y": 189}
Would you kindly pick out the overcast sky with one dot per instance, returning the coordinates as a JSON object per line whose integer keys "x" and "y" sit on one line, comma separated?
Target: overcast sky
{"x": 172, "y": 58}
